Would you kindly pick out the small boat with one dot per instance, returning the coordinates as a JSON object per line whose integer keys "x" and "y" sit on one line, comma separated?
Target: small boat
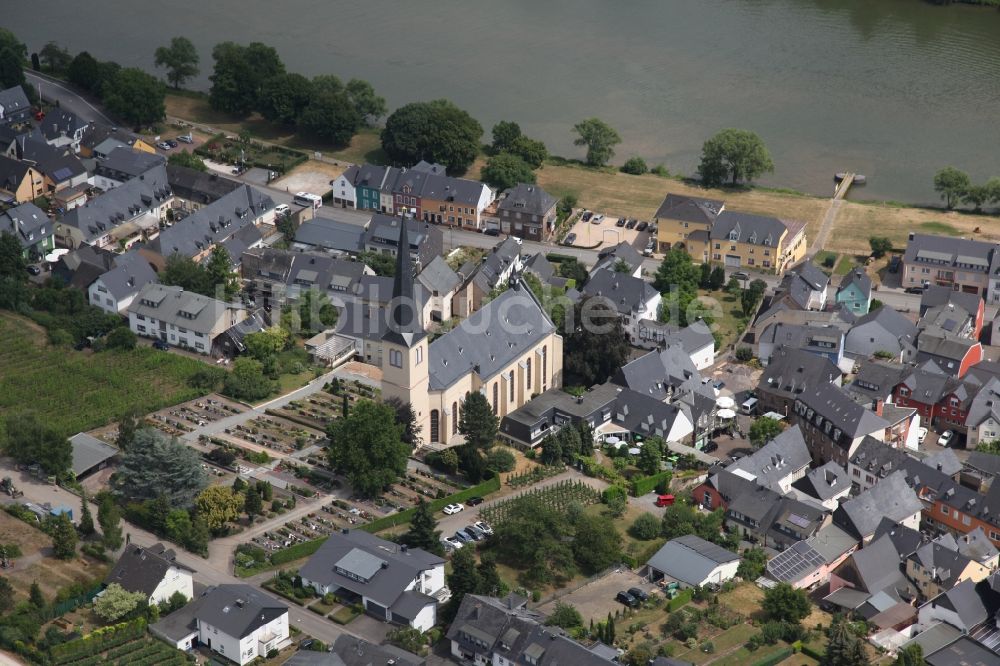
{"x": 859, "y": 179}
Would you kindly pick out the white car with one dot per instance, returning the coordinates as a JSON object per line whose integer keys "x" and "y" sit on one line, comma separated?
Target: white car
{"x": 483, "y": 527}
{"x": 452, "y": 509}
{"x": 282, "y": 210}
{"x": 921, "y": 434}
{"x": 946, "y": 437}
{"x": 451, "y": 543}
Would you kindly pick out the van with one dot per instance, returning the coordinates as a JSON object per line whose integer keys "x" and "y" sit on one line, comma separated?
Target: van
{"x": 308, "y": 199}
{"x": 664, "y": 500}
{"x": 749, "y": 406}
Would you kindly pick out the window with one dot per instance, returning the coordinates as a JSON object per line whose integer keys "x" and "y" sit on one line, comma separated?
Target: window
{"x": 395, "y": 358}
{"x": 545, "y": 365}
{"x": 966, "y": 520}
{"x": 454, "y": 418}
{"x": 944, "y": 510}
{"x": 140, "y": 328}
{"x": 496, "y": 396}
{"x": 528, "y": 372}
{"x": 510, "y": 391}
{"x": 435, "y": 434}
{"x": 140, "y": 317}
{"x": 420, "y": 355}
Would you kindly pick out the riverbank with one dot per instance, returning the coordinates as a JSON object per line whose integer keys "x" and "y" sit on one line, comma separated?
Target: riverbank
{"x": 622, "y": 194}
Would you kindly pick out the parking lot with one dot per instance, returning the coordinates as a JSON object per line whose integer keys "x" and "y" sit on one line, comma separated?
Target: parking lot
{"x": 595, "y": 599}
{"x": 607, "y": 233}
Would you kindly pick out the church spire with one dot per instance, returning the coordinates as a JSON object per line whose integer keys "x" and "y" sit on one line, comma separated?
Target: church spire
{"x": 404, "y": 327}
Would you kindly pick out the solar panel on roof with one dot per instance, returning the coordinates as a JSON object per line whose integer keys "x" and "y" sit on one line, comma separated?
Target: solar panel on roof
{"x": 63, "y": 174}
{"x": 796, "y": 519}
{"x": 792, "y": 564}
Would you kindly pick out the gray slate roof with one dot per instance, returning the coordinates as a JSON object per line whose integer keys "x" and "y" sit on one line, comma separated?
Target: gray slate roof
{"x": 487, "y": 275}
{"x": 824, "y": 482}
{"x": 128, "y": 162}
{"x": 131, "y": 273}
{"x": 331, "y": 234}
{"x": 115, "y": 207}
{"x": 199, "y": 186}
{"x": 690, "y": 558}
{"x": 59, "y": 164}
{"x": 689, "y": 209}
{"x": 780, "y": 457}
{"x": 483, "y": 343}
{"x": 658, "y": 373}
{"x": 88, "y": 452}
{"x": 626, "y": 293}
{"x": 859, "y": 278}
{"x": 621, "y": 252}
{"x": 878, "y": 565}
{"x": 893, "y": 322}
{"x": 834, "y": 404}
{"x": 964, "y": 651}
{"x": 61, "y": 121}
{"x": 528, "y": 199}
{"x": 751, "y": 229}
{"x": 13, "y": 101}
{"x": 171, "y": 301}
{"x": 214, "y": 223}
{"x": 27, "y": 222}
{"x": 790, "y": 371}
{"x": 140, "y": 569}
{"x": 891, "y": 498}
{"x": 946, "y": 251}
{"x": 937, "y": 296}
{"x": 963, "y": 599}
{"x": 805, "y": 279}
{"x": 437, "y": 276}
{"x": 239, "y": 610}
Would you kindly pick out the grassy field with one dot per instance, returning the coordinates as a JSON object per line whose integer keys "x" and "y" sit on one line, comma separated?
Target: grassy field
{"x": 74, "y": 391}
{"x": 856, "y": 223}
{"x": 731, "y": 319}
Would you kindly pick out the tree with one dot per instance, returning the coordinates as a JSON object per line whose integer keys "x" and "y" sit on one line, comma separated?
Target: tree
{"x": 285, "y": 98}
{"x": 247, "y": 381}
{"x": 753, "y": 564}
{"x": 600, "y": 139}
{"x": 764, "y": 429}
{"x": 650, "y": 456}
{"x": 6, "y": 595}
{"x": 30, "y": 442}
{"x": 315, "y": 312}
{"x": 64, "y": 537}
{"x": 35, "y": 596}
{"x": 198, "y": 536}
{"x": 116, "y": 602}
{"x": 597, "y": 346}
{"x": 218, "y": 505}
{"x": 505, "y": 134}
{"x": 551, "y": 451}
{"x": 536, "y": 539}
{"x": 266, "y": 343}
{"x": 733, "y": 155}
{"x": 717, "y": 279}
{"x": 565, "y": 616}
{"x": 407, "y": 418}
{"x": 645, "y": 527}
{"x": 135, "y": 96}
{"x": 976, "y": 196}
{"x": 9, "y": 40}
{"x": 784, "y": 603}
{"x": 110, "y": 521}
{"x": 121, "y": 338}
{"x": 219, "y": 271}
{"x": 240, "y": 75}
{"x": 253, "y": 505}
{"x": 157, "y": 466}
{"x": 55, "y": 57}
{"x": 635, "y": 166}
{"x": 500, "y": 459}
{"x": 180, "y": 58}
{"x": 596, "y": 543}
{"x": 436, "y": 131}
{"x": 477, "y": 422}
{"x": 84, "y": 72}
{"x": 331, "y": 118}
{"x": 86, "y": 526}
{"x": 186, "y": 273}
{"x": 383, "y": 264}
{"x": 186, "y": 158}
{"x": 951, "y": 184}
{"x": 880, "y": 245}
{"x": 463, "y": 579}
{"x": 532, "y": 151}
{"x": 367, "y": 447}
{"x": 911, "y": 655}
{"x": 12, "y": 262}
{"x": 128, "y": 425}
{"x": 489, "y": 577}
{"x": 177, "y": 525}
{"x": 993, "y": 187}
{"x": 11, "y": 69}
{"x": 423, "y": 533}
{"x": 368, "y": 106}
{"x": 505, "y": 170}
{"x": 843, "y": 647}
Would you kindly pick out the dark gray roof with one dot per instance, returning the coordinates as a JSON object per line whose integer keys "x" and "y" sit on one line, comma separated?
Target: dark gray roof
{"x": 12, "y": 173}
{"x": 125, "y": 161}
{"x": 878, "y": 565}
{"x": 877, "y": 379}
{"x": 932, "y": 346}
{"x": 214, "y": 223}
{"x": 88, "y": 452}
{"x": 808, "y": 277}
{"x": 785, "y": 454}
{"x": 964, "y": 651}
{"x": 942, "y": 561}
{"x": 860, "y": 279}
{"x": 824, "y": 482}
{"x": 437, "y": 276}
{"x": 690, "y": 559}
{"x": 904, "y": 539}
{"x": 364, "y": 554}
{"x": 61, "y": 121}
{"x": 131, "y": 273}
{"x": 13, "y": 101}
{"x": 893, "y": 322}
{"x": 748, "y": 228}
{"x": 96, "y": 133}
{"x": 945, "y": 461}
{"x": 646, "y": 415}
{"x": 835, "y": 405}
{"x": 239, "y": 610}
{"x": 201, "y": 187}
{"x": 410, "y": 603}
{"x": 962, "y": 599}
{"x": 629, "y": 295}
{"x": 658, "y": 373}
{"x": 528, "y": 199}
{"x": 937, "y": 296}
{"x": 976, "y": 545}
{"x": 58, "y": 163}
{"x": 946, "y": 251}
{"x": 404, "y": 325}
{"x": 815, "y": 339}
{"x": 984, "y": 462}
{"x": 117, "y": 206}
{"x": 689, "y": 209}
{"x": 831, "y": 542}
{"x": 488, "y": 274}
{"x": 474, "y": 346}
{"x": 790, "y": 371}
{"x": 179, "y": 624}
{"x": 27, "y": 222}
{"x": 142, "y": 569}
{"x": 331, "y": 234}
{"x": 356, "y": 652}
{"x": 890, "y": 497}
{"x": 166, "y": 303}
{"x": 621, "y": 252}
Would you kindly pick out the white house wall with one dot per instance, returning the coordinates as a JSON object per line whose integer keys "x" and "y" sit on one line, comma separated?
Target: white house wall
{"x": 704, "y": 357}
{"x": 174, "y": 581}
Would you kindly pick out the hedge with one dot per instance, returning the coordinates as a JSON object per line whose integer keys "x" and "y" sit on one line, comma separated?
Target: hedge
{"x": 683, "y": 597}
{"x": 403, "y": 517}
{"x": 812, "y": 652}
{"x": 296, "y": 552}
{"x": 775, "y": 658}
{"x": 647, "y": 484}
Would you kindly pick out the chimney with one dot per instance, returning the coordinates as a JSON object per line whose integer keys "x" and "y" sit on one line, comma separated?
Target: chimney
{"x": 877, "y": 406}
{"x": 403, "y": 548}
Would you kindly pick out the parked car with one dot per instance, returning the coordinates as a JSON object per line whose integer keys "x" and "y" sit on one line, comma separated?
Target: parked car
{"x": 473, "y": 533}
{"x": 921, "y": 434}
{"x": 597, "y": 219}
{"x": 627, "y": 599}
{"x": 483, "y": 527}
{"x": 946, "y": 437}
{"x": 638, "y": 594}
{"x": 451, "y": 543}
{"x": 894, "y": 263}
{"x": 649, "y": 249}
{"x": 163, "y": 145}
{"x": 711, "y": 446}
{"x": 570, "y": 239}
{"x": 492, "y": 231}
{"x": 474, "y": 501}
{"x": 914, "y": 290}
{"x": 185, "y": 138}
{"x": 719, "y": 385}
{"x": 171, "y": 143}
{"x": 34, "y": 270}
{"x": 586, "y": 216}
{"x": 740, "y": 275}
{"x": 282, "y": 210}
{"x": 161, "y": 345}
{"x": 463, "y": 537}
{"x": 452, "y": 509}
{"x": 664, "y": 500}
{"x": 642, "y": 226}
{"x": 631, "y": 224}
{"x": 621, "y": 222}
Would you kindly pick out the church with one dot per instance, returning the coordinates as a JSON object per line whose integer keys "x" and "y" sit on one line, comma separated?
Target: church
{"x": 509, "y": 350}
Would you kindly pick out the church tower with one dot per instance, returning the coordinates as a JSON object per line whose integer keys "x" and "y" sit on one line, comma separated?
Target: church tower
{"x": 404, "y": 344}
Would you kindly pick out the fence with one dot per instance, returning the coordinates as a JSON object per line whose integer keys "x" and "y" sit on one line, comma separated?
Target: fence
{"x": 62, "y": 607}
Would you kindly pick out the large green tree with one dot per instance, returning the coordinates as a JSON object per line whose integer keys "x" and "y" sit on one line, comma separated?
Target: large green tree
{"x": 843, "y": 647}
{"x": 8, "y": 40}
{"x": 764, "y": 429}
{"x": 597, "y": 347}
{"x": 157, "y": 465}
{"x": 223, "y": 280}
{"x": 650, "y": 456}
{"x": 368, "y": 106}
{"x": 55, "y": 57}
{"x": 218, "y": 505}
{"x": 11, "y": 69}
{"x": 12, "y": 262}
{"x": 330, "y": 118}
{"x": 110, "y": 520}
{"x": 596, "y": 543}
{"x": 477, "y": 422}
{"x": 240, "y": 75}
{"x": 505, "y": 170}
{"x": 136, "y": 97}
{"x": 784, "y": 603}
{"x": 735, "y": 155}
{"x": 407, "y": 418}
{"x": 599, "y": 138}
{"x": 285, "y": 97}
{"x": 64, "y": 536}
{"x": 436, "y": 131}
{"x": 116, "y": 602}
{"x": 952, "y": 184}
{"x": 537, "y": 540}
{"x": 29, "y": 441}
{"x": 247, "y": 381}
{"x": 367, "y": 447}
{"x": 180, "y": 58}
{"x": 84, "y": 72}
{"x": 423, "y": 532}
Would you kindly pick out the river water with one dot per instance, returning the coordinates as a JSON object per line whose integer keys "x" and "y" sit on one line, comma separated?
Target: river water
{"x": 893, "y": 89}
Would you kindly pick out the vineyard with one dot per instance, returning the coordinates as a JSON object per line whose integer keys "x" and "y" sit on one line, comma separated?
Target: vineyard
{"x": 121, "y": 645}
{"x": 76, "y": 391}
{"x": 559, "y": 496}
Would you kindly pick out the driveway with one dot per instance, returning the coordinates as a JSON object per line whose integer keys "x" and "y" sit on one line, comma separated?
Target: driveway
{"x": 597, "y": 598}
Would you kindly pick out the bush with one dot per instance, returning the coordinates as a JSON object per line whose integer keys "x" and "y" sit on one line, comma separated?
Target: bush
{"x": 830, "y": 260}
{"x": 744, "y": 354}
{"x": 646, "y": 527}
{"x": 500, "y": 459}
{"x": 661, "y": 170}
{"x": 647, "y": 484}
{"x": 635, "y": 166}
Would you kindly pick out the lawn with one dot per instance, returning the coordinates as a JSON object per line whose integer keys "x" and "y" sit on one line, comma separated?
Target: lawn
{"x": 725, "y": 309}
{"x": 940, "y": 228}
{"x": 75, "y": 391}
{"x": 847, "y": 263}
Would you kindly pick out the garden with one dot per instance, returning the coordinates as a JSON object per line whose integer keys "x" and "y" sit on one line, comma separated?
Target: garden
{"x": 125, "y": 644}
{"x": 245, "y": 152}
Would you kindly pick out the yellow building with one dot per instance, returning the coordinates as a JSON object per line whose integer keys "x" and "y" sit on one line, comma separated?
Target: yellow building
{"x": 680, "y": 217}
{"x": 742, "y": 240}
{"x": 20, "y": 180}
{"x": 508, "y": 350}
{"x": 936, "y": 568}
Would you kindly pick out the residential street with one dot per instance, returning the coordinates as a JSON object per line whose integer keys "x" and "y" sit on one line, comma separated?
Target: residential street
{"x": 53, "y": 91}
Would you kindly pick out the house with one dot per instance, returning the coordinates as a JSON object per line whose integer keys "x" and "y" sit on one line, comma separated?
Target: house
{"x": 833, "y": 424}
{"x": 961, "y": 607}
{"x": 14, "y": 106}
{"x": 344, "y": 192}
{"x": 60, "y": 166}
{"x": 124, "y": 164}
{"x": 89, "y": 454}
{"x": 937, "y": 566}
{"x": 953, "y": 355}
{"x": 938, "y": 397}
{"x": 332, "y": 235}
{"x": 196, "y": 188}
{"x": 487, "y": 630}
{"x": 957, "y": 306}
{"x": 890, "y": 498}
{"x": 442, "y": 199}
{"x": 963, "y": 651}
{"x": 742, "y": 240}
{"x": 789, "y": 372}
{"x": 393, "y": 583}
{"x": 806, "y": 564}
{"x": 956, "y": 263}
{"x": 680, "y": 216}
{"x": 871, "y": 571}
{"x": 115, "y": 290}
{"x": 349, "y": 650}
{"x": 855, "y": 292}
{"x": 275, "y": 276}
{"x": 622, "y": 258}
{"x": 153, "y": 571}
{"x": 367, "y": 181}
{"x": 885, "y": 332}
{"x": 494, "y": 271}
{"x": 63, "y": 129}
{"x": 79, "y": 268}
{"x": 441, "y": 283}
{"x": 826, "y": 341}
{"x": 633, "y": 298}
{"x": 241, "y": 623}
{"x": 181, "y": 318}
{"x": 828, "y": 485}
{"x": 778, "y": 464}
{"x": 382, "y": 237}
{"x": 20, "y": 181}
{"x": 122, "y": 215}
{"x": 696, "y": 339}
{"x": 527, "y": 211}
{"x": 875, "y": 460}
{"x": 693, "y": 562}
{"x": 805, "y": 287}
{"x": 32, "y": 228}
{"x": 983, "y": 419}
{"x": 877, "y": 380}
{"x": 761, "y": 515}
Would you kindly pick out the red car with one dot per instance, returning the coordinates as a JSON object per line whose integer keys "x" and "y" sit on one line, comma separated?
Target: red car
{"x": 664, "y": 500}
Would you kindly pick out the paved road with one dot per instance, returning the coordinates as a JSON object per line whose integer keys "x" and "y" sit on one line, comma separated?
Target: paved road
{"x": 53, "y": 91}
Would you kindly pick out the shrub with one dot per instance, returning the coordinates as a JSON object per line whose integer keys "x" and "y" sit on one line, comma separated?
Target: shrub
{"x": 500, "y": 459}
{"x": 744, "y": 354}
{"x": 635, "y": 166}
{"x": 645, "y": 527}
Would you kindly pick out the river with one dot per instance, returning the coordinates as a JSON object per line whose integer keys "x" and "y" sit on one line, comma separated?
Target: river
{"x": 893, "y": 89}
